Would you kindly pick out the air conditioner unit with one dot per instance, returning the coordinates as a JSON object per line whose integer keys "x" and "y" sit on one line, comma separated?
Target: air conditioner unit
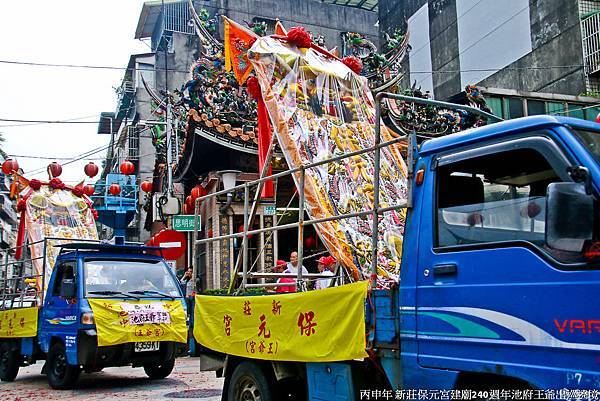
{"x": 169, "y": 205}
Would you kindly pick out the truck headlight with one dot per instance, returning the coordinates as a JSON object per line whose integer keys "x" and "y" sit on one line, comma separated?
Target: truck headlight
{"x": 87, "y": 318}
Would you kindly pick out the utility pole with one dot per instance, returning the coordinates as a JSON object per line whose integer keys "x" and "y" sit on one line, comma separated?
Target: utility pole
{"x": 169, "y": 148}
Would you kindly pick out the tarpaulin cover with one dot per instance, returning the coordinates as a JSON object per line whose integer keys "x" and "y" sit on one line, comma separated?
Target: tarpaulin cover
{"x": 19, "y": 323}
{"x": 56, "y": 213}
{"x": 120, "y": 321}
{"x": 320, "y": 109}
{"x": 315, "y": 326}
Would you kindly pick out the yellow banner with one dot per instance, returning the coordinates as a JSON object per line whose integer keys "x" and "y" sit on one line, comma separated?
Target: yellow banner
{"x": 18, "y": 323}
{"x": 316, "y": 326}
{"x": 125, "y": 321}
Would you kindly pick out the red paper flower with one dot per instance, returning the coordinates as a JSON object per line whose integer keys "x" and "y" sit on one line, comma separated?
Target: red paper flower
{"x": 56, "y": 183}
{"x": 77, "y": 190}
{"x": 35, "y": 184}
{"x": 353, "y": 63}
{"x": 21, "y": 205}
{"x": 253, "y": 87}
{"x": 299, "y": 37}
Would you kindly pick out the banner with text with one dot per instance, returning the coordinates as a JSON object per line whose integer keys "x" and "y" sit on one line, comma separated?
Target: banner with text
{"x": 315, "y": 326}
{"x": 19, "y": 323}
{"x": 120, "y": 321}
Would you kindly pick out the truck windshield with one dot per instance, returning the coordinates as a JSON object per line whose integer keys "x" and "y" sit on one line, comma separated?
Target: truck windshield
{"x": 119, "y": 278}
{"x": 591, "y": 140}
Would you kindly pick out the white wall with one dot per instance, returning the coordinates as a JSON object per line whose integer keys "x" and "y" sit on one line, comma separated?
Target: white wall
{"x": 491, "y": 35}
{"x": 420, "y": 55}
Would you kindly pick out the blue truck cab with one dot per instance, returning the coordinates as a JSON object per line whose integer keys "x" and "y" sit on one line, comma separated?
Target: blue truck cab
{"x": 66, "y": 336}
{"x": 499, "y": 279}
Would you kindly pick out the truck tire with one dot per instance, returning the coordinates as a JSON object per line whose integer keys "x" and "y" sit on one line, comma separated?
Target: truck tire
{"x": 9, "y": 362}
{"x": 160, "y": 370}
{"x": 249, "y": 383}
{"x": 61, "y": 375}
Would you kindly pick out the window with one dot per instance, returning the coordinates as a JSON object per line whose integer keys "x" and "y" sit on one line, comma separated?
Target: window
{"x": 65, "y": 271}
{"x": 495, "y": 104}
{"x": 515, "y": 107}
{"x": 535, "y": 107}
{"x": 491, "y": 198}
{"x": 575, "y": 110}
{"x": 591, "y": 140}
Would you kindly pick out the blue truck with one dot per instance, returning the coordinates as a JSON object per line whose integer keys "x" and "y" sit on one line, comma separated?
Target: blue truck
{"x": 58, "y": 325}
{"x": 499, "y": 280}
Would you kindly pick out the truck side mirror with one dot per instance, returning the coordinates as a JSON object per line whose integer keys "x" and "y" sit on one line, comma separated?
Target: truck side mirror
{"x": 68, "y": 288}
{"x": 569, "y": 216}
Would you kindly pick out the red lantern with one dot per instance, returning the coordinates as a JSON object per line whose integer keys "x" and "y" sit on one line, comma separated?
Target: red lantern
{"x": 198, "y": 191}
{"x": 114, "y": 189}
{"x": 9, "y": 166}
{"x": 88, "y": 190}
{"x": 209, "y": 233}
{"x": 241, "y": 230}
{"x": 54, "y": 169}
{"x": 598, "y": 118}
{"x": 309, "y": 242}
{"x": 91, "y": 170}
{"x": 189, "y": 201}
{"x": 146, "y": 186}
{"x": 127, "y": 167}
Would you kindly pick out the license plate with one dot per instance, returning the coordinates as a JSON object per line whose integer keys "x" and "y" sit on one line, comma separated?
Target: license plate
{"x": 147, "y": 346}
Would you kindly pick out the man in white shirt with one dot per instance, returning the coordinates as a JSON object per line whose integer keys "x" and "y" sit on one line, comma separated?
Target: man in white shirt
{"x": 324, "y": 265}
{"x": 292, "y": 266}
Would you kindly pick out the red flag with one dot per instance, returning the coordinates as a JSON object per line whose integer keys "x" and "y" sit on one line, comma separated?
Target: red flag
{"x": 279, "y": 29}
{"x": 237, "y": 42}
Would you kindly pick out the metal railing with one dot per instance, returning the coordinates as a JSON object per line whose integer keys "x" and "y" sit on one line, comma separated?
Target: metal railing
{"x": 590, "y": 32}
{"x": 375, "y": 212}
{"x": 25, "y": 290}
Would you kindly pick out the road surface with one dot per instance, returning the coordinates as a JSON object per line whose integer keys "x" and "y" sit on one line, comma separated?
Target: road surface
{"x": 185, "y": 383}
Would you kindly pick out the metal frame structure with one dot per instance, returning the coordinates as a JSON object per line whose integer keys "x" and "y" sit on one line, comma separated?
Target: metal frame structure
{"x": 249, "y": 212}
{"x": 15, "y": 290}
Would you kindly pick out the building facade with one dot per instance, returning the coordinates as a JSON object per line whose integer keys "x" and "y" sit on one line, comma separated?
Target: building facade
{"x": 524, "y": 45}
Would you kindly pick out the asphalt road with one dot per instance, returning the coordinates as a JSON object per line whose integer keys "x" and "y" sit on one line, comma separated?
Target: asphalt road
{"x": 186, "y": 382}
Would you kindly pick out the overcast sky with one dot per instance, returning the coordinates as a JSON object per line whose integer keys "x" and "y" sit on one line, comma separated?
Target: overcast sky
{"x": 87, "y": 32}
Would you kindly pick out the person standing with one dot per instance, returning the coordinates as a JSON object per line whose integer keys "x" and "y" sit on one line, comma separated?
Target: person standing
{"x": 279, "y": 267}
{"x": 325, "y": 265}
{"x": 292, "y": 266}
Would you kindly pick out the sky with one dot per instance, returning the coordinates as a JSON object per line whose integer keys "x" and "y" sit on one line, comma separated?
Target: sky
{"x": 82, "y": 32}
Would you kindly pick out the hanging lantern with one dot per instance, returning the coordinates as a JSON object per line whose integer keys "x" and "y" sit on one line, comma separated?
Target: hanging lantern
{"x": 209, "y": 233}
{"x": 146, "y": 186}
{"x": 198, "y": 191}
{"x": 310, "y": 242}
{"x": 54, "y": 169}
{"x": 91, "y": 170}
{"x": 597, "y": 118}
{"x": 241, "y": 230}
{"x": 9, "y": 166}
{"x": 114, "y": 189}
{"x": 127, "y": 168}
{"x": 88, "y": 190}
{"x": 189, "y": 201}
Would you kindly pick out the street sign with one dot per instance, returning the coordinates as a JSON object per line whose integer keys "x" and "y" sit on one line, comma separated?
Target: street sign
{"x": 173, "y": 243}
{"x": 269, "y": 210}
{"x": 184, "y": 222}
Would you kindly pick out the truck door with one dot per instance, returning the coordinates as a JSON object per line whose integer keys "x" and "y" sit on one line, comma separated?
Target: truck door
{"x": 59, "y": 315}
{"x": 491, "y": 296}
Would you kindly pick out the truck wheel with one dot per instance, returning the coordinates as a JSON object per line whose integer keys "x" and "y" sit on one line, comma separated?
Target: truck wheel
{"x": 160, "y": 370}
{"x": 9, "y": 363}
{"x": 249, "y": 383}
{"x": 61, "y": 375}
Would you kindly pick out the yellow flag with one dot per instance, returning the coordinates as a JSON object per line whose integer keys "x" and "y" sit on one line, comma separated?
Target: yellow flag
{"x": 316, "y": 326}
{"x": 125, "y": 321}
{"x": 19, "y": 323}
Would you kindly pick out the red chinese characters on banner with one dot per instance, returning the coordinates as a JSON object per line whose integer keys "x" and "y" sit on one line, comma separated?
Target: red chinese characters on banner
{"x": 276, "y": 308}
{"x": 262, "y": 328}
{"x": 247, "y": 309}
{"x": 306, "y": 324}
{"x": 227, "y": 322}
